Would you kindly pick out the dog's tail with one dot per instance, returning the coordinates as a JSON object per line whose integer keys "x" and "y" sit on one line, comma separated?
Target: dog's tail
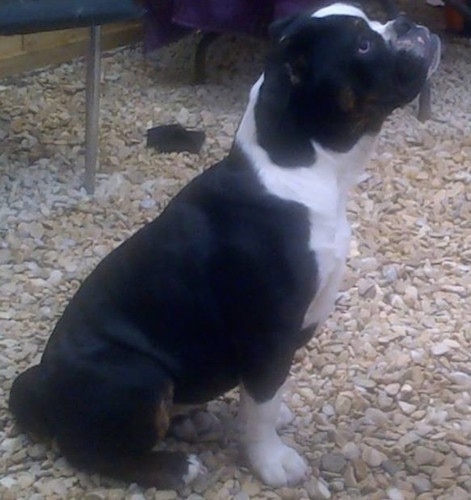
{"x": 28, "y": 402}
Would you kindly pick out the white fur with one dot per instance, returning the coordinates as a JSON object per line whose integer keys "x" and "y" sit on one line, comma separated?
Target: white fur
{"x": 195, "y": 468}
{"x": 323, "y": 189}
{"x": 342, "y": 9}
{"x": 275, "y": 463}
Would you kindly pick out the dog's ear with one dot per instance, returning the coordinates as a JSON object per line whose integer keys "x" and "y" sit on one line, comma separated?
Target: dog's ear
{"x": 290, "y": 36}
{"x": 282, "y": 30}
{"x": 278, "y": 27}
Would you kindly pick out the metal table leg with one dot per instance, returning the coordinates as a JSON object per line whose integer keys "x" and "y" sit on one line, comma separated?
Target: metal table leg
{"x": 92, "y": 104}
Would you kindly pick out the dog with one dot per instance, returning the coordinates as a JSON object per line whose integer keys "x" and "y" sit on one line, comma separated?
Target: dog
{"x": 238, "y": 271}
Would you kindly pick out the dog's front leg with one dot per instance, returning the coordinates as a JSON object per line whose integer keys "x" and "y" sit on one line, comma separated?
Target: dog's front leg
{"x": 276, "y": 463}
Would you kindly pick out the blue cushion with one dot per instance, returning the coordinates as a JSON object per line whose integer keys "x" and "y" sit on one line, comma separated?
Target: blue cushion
{"x": 29, "y": 16}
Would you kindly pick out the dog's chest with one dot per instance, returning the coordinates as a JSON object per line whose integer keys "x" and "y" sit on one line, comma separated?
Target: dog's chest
{"x": 330, "y": 243}
{"x": 323, "y": 189}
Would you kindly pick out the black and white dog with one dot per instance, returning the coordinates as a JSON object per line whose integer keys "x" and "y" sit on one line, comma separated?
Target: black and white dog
{"x": 240, "y": 268}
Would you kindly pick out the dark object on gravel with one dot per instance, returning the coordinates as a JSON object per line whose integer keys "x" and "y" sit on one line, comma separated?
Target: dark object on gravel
{"x": 175, "y": 139}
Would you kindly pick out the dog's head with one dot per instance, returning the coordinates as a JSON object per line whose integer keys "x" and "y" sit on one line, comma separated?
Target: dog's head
{"x": 334, "y": 76}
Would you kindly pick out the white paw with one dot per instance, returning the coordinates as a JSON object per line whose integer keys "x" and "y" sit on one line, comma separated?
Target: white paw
{"x": 276, "y": 463}
{"x": 285, "y": 417}
{"x": 195, "y": 468}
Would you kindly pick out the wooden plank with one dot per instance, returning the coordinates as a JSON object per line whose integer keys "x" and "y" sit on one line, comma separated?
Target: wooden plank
{"x": 10, "y": 46}
{"x": 112, "y": 36}
{"x": 35, "y": 42}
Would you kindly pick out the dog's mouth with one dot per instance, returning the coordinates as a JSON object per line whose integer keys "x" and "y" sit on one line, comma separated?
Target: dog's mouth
{"x": 419, "y": 41}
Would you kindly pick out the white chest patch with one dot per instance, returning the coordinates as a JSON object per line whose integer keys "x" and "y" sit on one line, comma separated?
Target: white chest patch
{"x": 323, "y": 189}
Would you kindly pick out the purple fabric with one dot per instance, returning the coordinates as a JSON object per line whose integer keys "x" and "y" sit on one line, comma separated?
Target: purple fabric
{"x": 169, "y": 20}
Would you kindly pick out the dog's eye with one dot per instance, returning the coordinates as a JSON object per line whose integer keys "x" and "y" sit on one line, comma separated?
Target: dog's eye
{"x": 364, "y": 46}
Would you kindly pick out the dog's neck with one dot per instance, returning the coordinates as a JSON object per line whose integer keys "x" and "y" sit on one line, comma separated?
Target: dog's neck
{"x": 326, "y": 180}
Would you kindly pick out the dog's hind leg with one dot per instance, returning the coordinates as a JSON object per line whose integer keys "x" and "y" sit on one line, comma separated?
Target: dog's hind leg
{"x": 115, "y": 428}
{"x": 110, "y": 426}
{"x": 105, "y": 421}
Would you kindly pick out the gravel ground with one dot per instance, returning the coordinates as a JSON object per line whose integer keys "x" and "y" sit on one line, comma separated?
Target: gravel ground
{"x": 381, "y": 396}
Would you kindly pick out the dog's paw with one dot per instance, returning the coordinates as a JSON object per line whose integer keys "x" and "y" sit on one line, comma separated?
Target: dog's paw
{"x": 285, "y": 417}
{"x": 276, "y": 463}
{"x": 195, "y": 469}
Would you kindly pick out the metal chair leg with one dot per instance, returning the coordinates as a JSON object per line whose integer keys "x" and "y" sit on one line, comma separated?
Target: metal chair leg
{"x": 92, "y": 103}
{"x": 425, "y": 103}
{"x": 200, "y": 56}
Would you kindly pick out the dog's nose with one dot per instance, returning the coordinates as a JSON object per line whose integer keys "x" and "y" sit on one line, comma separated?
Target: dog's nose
{"x": 402, "y": 25}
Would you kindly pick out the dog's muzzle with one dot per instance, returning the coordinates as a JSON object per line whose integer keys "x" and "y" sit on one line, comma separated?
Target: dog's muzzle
{"x": 418, "y": 40}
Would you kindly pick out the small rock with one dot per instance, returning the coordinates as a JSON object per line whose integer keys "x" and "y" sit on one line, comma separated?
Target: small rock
{"x": 392, "y": 389}
{"x": 390, "y": 467}
{"x": 160, "y": 495}
{"x": 343, "y": 405}
{"x": 147, "y": 203}
{"x": 36, "y": 496}
{"x": 317, "y": 489}
{"x": 390, "y": 273}
{"x": 373, "y": 457}
{"x": 251, "y": 488}
{"x": 55, "y": 277}
{"x": 337, "y": 485}
{"x": 328, "y": 410}
{"x": 351, "y": 451}
{"x": 26, "y": 480}
{"x": 395, "y": 494}
{"x": 443, "y": 477}
{"x": 5, "y": 256}
{"x": 242, "y": 495}
{"x": 333, "y": 462}
{"x": 406, "y": 407}
{"x": 367, "y": 383}
{"x": 426, "y": 456}
{"x": 408, "y": 438}
{"x": 378, "y": 417}
{"x": 440, "y": 349}
{"x": 10, "y": 445}
{"x": 365, "y": 287}
{"x": 421, "y": 484}
{"x": 7, "y": 482}
{"x": 361, "y": 469}
{"x": 385, "y": 403}
{"x": 461, "y": 450}
{"x": 458, "y": 493}
{"x": 203, "y": 482}
{"x": 140, "y": 496}
{"x": 406, "y": 392}
{"x": 38, "y": 450}
{"x": 95, "y": 495}
{"x": 349, "y": 477}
